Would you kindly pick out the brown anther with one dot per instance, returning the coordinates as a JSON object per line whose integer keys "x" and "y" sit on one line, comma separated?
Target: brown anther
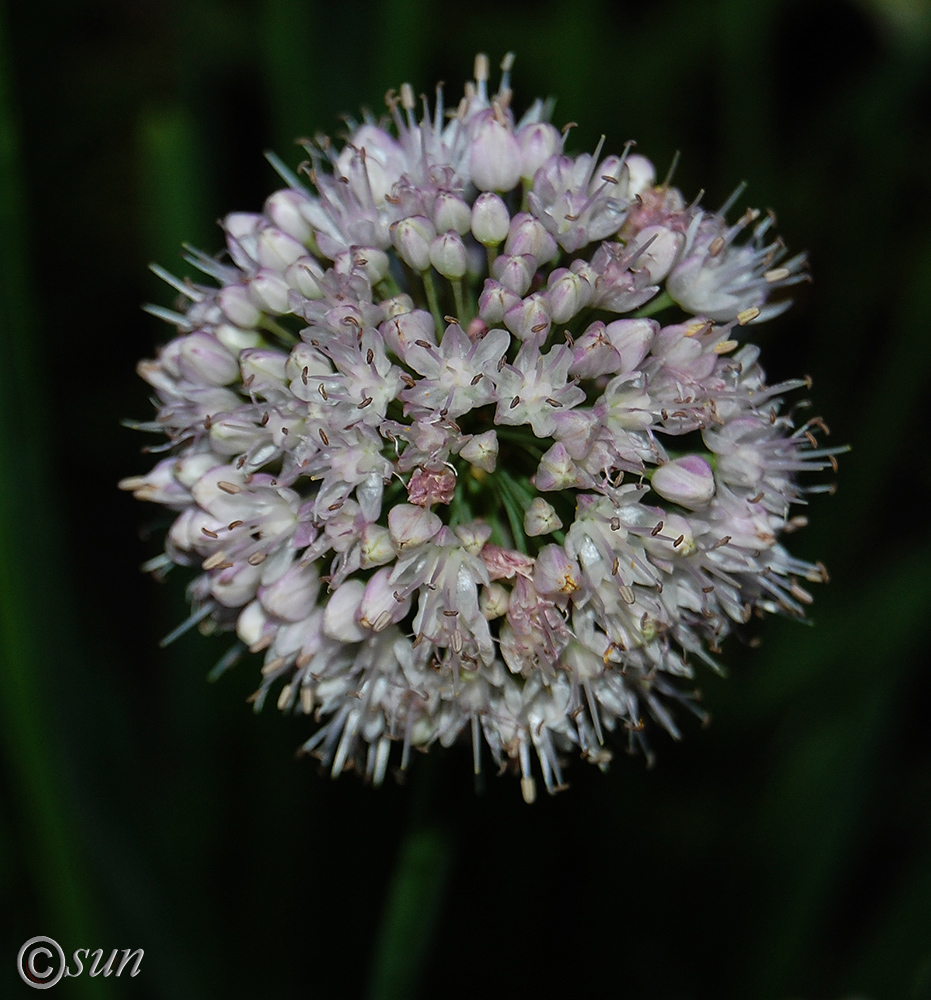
{"x": 476, "y": 379}
{"x": 369, "y": 356}
{"x": 229, "y": 487}
{"x": 502, "y": 362}
{"x": 398, "y": 597}
{"x": 664, "y": 414}
{"x": 540, "y": 327}
{"x": 824, "y": 572}
{"x": 451, "y": 320}
{"x": 241, "y": 461}
{"x": 722, "y": 541}
{"x": 657, "y": 528}
{"x": 568, "y": 126}
{"x": 264, "y": 419}
{"x": 708, "y": 590}
{"x": 323, "y": 436}
{"x": 569, "y": 339}
{"x": 208, "y": 422}
{"x": 514, "y": 402}
{"x": 833, "y": 461}
{"x": 407, "y": 380}
{"x": 425, "y": 344}
{"x": 209, "y": 533}
{"x": 248, "y": 381}
{"x": 284, "y": 431}
{"x": 615, "y": 524}
{"x": 304, "y": 373}
{"x": 772, "y": 416}
{"x": 451, "y": 614}
{"x": 233, "y": 524}
{"x": 365, "y": 402}
{"x": 717, "y": 245}
{"x": 335, "y": 506}
{"x": 571, "y": 218}
{"x": 609, "y": 179}
{"x": 757, "y": 498}
{"x": 256, "y": 558}
{"x": 616, "y": 566}
{"x": 678, "y": 541}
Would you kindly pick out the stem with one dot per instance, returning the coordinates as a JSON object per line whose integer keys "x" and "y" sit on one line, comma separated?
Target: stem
{"x": 414, "y": 895}
{"x": 662, "y": 301}
{"x": 430, "y": 289}
{"x": 463, "y": 312}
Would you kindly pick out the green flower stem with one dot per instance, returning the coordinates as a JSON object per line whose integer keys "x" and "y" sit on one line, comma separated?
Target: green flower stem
{"x": 463, "y": 310}
{"x": 654, "y": 306}
{"x": 415, "y": 893}
{"x": 30, "y": 585}
{"x": 430, "y": 288}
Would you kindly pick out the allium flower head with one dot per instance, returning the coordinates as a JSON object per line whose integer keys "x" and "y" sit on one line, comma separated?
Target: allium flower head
{"x": 431, "y": 456}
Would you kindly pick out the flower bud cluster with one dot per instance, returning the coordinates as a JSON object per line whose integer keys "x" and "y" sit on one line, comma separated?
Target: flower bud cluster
{"x": 465, "y": 440}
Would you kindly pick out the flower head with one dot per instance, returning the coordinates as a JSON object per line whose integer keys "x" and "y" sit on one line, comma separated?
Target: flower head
{"x": 431, "y": 455}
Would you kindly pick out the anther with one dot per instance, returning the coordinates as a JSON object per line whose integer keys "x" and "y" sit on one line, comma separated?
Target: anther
{"x": 323, "y": 436}
{"x": 369, "y": 356}
{"x": 365, "y": 402}
{"x": 304, "y": 374}
{"x": 514, "y": 402}
{"x": 229, "y": 487}
{"x": 264, "y": 419}
{"x": 256, "y": 558}
{"x": 657, "y": 528}
{"x": 335, "y": 506}
{"x": 615, "y": 524}
{"x": 553, "y": 402}
{"x": 233, "y": 524}
{"x": 209, "y": 533}
{"x": 477, "y": 379}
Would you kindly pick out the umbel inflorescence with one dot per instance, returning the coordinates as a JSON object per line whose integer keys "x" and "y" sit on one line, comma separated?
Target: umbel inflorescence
{"x": 430, "y": 454}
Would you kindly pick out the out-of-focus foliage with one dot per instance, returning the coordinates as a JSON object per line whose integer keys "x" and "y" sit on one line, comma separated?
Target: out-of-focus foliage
{"x": 785, "y": 852}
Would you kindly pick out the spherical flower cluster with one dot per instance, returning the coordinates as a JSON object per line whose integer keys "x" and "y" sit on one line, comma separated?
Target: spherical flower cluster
{"x": 429, "y": 453}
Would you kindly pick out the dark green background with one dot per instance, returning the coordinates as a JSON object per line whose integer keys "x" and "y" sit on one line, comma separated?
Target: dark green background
{"x": 783, "y": 853}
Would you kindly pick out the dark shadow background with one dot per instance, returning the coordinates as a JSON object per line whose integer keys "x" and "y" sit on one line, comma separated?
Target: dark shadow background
{"x": 784, "y": 853}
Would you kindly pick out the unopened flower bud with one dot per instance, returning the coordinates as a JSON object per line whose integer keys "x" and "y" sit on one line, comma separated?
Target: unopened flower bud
{"x": 556, "y": 470}
{"x": 493, "y": 601}
{"x": 540, "y": 518}
{"x": 490, "y": 219}
{"x": 482, "y": 451}
{"x": 276, "y": 250}
{"x": 284, "y": 209}
{"x": 514, "y": 273}
{"x": 238, "y": 307}
{"x": 495, "y": 157}
{"x": 451, "y": 213}
{"x": 269, "y": 291}
{"x": 305, "y": 274}
{"x": 687, "y": 481}
{"x": 411, "y": 526}
{"x": 204, "y": 359}
{"x": 527, "y": 235}
{"x": 538, "y": 141}
{"x": 448, "y": 255}
{"x": 412, "y": 238}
